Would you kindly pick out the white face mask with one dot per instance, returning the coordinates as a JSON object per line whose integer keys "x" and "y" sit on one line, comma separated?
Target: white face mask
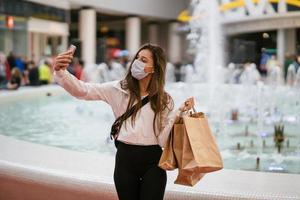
{"x": 138, "y": 70}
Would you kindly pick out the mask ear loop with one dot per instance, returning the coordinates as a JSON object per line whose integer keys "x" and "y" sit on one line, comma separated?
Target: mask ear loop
{"x": 152, "y": 72}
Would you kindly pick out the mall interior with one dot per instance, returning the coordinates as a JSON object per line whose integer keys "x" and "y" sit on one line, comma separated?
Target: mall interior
{"x": 37, "y": 28}
{"x": 239, "y": 59}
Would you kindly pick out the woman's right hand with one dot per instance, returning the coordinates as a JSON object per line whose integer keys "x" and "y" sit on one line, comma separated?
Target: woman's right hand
{"x": 63, "y": 60}
{"x": 187, "y": 105}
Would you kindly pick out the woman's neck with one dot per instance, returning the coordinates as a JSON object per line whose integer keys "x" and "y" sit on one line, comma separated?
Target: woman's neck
{"x": 144, "y": 85}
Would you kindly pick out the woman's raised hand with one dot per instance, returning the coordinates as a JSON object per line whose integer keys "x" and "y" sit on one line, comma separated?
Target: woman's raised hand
{"x": 63, "y": 60}
{"x": 187, "y": 105}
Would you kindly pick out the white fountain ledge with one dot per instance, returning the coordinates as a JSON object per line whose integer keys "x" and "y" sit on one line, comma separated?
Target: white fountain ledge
{"x": 36, "y": 172}
{"x": 33, "y": 171}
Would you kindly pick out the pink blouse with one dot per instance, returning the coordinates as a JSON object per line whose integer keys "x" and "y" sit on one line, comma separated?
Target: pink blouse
{"x": 141, "y": 133}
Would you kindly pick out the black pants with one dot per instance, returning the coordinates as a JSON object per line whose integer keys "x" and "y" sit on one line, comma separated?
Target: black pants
{"x": 136, "y": 175}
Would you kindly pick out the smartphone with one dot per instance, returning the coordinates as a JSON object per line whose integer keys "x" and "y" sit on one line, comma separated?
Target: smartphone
{"x": 72, "y": 48}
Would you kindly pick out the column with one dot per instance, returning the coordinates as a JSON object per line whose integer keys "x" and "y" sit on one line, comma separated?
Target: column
{"x": 87, "y": 35}
{"x": 290, "y": 38}
{"x": 43, "y": 45}
{"x": 64, "y": 43}
{"x": 280, "y": 46}
{"x": 174, "y": 43}
{"x": 153, "y": 33}
{"x": 36, "y": 47}
{"x": 133, "y": 34}
{"x": 29, "y": 45}
{"x": 8, "y": 41}
{"x": 54, "y": 45}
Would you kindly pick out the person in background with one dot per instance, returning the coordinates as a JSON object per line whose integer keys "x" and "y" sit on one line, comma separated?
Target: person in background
{"x": 20, "y": 64}
{"x": 33, "y": 74}
{"x": 7, "y": 71}
{"x": 124, "y": 60}
{"x": 11, "y": 59}
{"x": 271, "y": 63}
{"x": 288, "y": 60}
{"x": 45, "y": 76}
{"x": 296, "y": 63}
{"x": 71, "y": 67}
{"x": 141, "y": 137}
{"x": 177, "y": 71}
{"x": 263, "y": 62}
{"x": 78, "y": 68}
{"x": 16, "y": 79}
{"x": 2, "y": 69}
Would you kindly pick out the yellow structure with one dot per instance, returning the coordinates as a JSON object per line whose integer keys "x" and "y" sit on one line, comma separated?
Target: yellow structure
{"x": 185, "y": 17}
{"x": 241, "y": 3}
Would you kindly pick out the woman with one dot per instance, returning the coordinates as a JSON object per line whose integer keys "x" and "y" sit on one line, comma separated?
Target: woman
{"x": 136, "y": 175}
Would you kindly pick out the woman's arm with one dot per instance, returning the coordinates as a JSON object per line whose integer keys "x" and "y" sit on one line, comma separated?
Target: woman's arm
{"x": 169, "y": 117}
{"x": 78, "y": 88}
{"x": 84, "y": 90}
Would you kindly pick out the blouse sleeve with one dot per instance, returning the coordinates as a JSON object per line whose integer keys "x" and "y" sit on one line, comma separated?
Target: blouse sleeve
{"x": 168, "y": 119}
{"x": 84, "y": 90}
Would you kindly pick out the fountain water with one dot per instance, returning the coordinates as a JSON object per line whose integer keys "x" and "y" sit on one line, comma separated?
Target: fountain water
{"x": 275, "y": 76}
{"x": 291, "y": 74}
{"x": 259, "y": 104}
{"x": 206, "y": 38}
{"x": 250, "y": 74}
{"x": 297, "y": 79}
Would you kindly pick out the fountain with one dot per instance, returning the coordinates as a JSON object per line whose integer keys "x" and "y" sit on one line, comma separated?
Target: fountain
{"x": 254, "y": 103}
{"x": 206, "y": 39}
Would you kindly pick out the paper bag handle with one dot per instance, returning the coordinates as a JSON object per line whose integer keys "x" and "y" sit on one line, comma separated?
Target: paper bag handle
{"x": 194, "y": 113}
{"x": 193, "y": 110}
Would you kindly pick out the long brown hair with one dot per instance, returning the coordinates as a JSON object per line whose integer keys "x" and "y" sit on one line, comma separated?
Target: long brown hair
{"x": 159, "y": 98}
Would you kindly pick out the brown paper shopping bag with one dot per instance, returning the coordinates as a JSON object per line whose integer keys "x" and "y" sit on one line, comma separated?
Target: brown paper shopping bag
{"x": 167, "y": 160}
{"x": 181, "y": 145}
{"x": 188, "y": 177}
{"x": 204, "y": 147}
{"x": 195, "y": 149}
{"x": 187, "y": 173}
